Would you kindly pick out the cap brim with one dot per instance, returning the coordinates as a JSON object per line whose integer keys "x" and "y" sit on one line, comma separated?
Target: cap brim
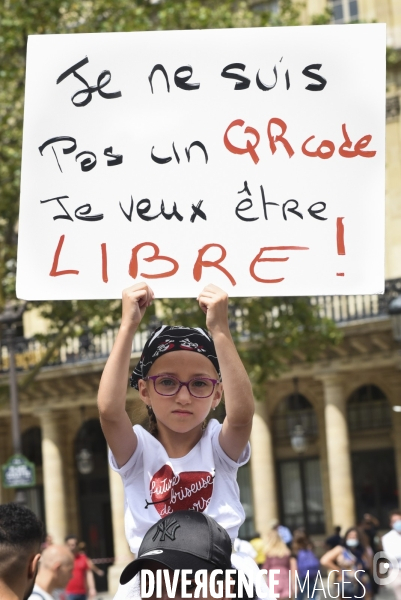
{"x": 172, "y": 559}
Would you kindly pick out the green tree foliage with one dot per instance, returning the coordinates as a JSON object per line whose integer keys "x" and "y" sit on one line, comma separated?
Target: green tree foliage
{"x": 274, "y": 328}
{"x": 323, "y": 18}
{"x": 270, "y": 332}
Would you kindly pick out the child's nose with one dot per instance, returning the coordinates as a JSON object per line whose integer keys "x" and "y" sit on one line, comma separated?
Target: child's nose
{"x": 183, "y": 394}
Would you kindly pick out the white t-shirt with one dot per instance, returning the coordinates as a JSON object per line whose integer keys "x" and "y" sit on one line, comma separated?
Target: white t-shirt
{"x": 156, "y": 485}
{"x": 392, "y": 544}
{"x": 39, "y": 594}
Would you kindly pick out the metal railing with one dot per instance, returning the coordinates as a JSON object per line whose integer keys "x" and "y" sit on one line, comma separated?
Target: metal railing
{"x": 89, "y": 347}
{"x": 85, "y": 348}
{"x": 343, "y": 309}
{"x": 392, "y": 107}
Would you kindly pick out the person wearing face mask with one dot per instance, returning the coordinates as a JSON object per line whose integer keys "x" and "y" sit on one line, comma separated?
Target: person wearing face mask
{"x": 391, "y": 542}
{"x": 349, "y": 563}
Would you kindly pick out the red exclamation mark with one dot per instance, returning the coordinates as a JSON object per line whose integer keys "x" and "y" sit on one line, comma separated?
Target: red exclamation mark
{"x": 340, "y": 240}
{"x": 104, "y": 263}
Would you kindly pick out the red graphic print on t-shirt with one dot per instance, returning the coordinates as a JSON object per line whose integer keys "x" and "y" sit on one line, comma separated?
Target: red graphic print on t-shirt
{"x": 190, "y": 490}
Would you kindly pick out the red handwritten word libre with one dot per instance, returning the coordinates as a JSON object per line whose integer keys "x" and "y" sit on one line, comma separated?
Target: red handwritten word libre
{"x": 324, "y": 150}
{"x": 200, "y": 263}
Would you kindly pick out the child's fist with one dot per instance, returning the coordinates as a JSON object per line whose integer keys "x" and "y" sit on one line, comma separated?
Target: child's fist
{"x": 135, "y": 301}
{"x": 214, "y": 303}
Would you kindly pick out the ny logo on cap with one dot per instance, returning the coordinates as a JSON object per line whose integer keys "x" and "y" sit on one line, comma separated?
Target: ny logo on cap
{"x": 166, "y": 528}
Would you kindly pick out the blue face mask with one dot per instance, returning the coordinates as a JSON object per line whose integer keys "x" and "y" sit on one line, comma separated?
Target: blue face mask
{"x": 352, "y": 543}
{"x": 397, "y": 525}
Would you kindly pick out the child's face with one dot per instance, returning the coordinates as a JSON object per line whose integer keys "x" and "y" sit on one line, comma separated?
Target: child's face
{"x": 181, "y": 412}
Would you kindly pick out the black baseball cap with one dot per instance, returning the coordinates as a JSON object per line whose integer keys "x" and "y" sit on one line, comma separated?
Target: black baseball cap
{"x": 186, "y": 539}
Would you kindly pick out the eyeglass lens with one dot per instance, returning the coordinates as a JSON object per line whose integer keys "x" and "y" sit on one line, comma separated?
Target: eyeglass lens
{"x": 198, "y": 387}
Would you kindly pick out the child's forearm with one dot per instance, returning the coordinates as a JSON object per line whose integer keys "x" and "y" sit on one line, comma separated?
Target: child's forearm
{"x": 239, "y": 401}
{"x": 113, "y": 384}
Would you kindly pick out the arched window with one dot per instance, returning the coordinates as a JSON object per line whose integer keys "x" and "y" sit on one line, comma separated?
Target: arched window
{"x": 368, "y": 408}
{"x": 31, "y": 442}
{"x": 294, "y": 410}
{"x": 300, "y": 486}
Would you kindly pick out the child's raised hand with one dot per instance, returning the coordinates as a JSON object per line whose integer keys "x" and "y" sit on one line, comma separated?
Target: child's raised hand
{"x": 214, "y": 303}
{"x": 136, "y": 299}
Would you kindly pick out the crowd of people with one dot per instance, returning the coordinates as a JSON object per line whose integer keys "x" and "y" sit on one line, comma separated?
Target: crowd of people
{"x": 31, "y": 569}
{"x": 347, "y": 561}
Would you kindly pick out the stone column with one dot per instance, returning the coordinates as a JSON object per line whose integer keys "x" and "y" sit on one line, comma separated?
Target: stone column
{"x": 262, "y": 469}
{"x": 324, "y": 467}
{"x": 53, "y": 476}
{"x": 338, "y": 453}
{"x": 397, "y": 449}
{"x": 122, "y": 553}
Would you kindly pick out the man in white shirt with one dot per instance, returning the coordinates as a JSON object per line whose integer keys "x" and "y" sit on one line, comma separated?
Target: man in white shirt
{"x": 392, "y": 547}
{"x": 55, "y": 571}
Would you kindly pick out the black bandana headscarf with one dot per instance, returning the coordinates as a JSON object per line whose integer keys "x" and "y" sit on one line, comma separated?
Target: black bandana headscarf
{"x": 168, "y": 339}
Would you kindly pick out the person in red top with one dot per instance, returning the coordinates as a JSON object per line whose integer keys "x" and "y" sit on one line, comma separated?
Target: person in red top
{"x": 82, "y": 582}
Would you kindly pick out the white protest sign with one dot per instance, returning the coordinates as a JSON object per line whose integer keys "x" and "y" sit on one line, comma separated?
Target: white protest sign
{"x": 250, "y": 158}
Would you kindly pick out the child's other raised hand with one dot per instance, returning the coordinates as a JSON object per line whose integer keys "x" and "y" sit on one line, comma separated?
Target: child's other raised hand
{"x": 214, "y": 303}
{"x": 135, "y": 301}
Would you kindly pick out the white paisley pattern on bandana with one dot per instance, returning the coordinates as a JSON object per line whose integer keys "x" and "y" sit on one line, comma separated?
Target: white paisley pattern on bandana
{"x": 169, "y": 339}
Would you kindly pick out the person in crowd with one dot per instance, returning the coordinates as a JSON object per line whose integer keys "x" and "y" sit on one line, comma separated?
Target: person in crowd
{"x": 188, "y": 540}
{"x": 92, "y": 566}
{"x": 391, "y": 542}
{"x": 352, "y": 564}
{"x": 21, "y": 535}
{"x": 283, "y": 531}
{"x": 369, "y": 555}
{"x": 82, "y": 583}
{"x": 47, "y": 542}
{"x": 307, "y": 564}
{"x": 55, "y": 570}
{"x": 370, "y": 525}
{"x": 278, "y": 556}
{"x": 335, "y": 539}
{"x": 259, "y": 547}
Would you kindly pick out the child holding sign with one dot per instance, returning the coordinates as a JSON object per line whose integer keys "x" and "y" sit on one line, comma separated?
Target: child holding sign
{"x": 182, "y": 464}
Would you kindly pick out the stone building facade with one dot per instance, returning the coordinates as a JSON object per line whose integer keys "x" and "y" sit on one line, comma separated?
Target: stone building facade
{"x": 347, "y": 459}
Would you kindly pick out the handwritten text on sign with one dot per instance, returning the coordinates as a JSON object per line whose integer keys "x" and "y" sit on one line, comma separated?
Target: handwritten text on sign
{"x": 252, "y": 158}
